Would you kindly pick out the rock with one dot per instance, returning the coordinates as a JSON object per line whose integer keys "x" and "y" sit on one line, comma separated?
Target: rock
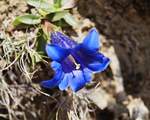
{"x": 137, "y": 110}
{"x": 100, "y": 98}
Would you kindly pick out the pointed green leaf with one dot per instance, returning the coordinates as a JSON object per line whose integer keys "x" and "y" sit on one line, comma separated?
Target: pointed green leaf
{"x": 57, "y": 3}
{"x": 27, "y": 19}
{"x": 59, "y": 15}
{"x": 67, "y": 4}
{"x": 39, "y": 4}
{"x": 70, "y": 20}
{"x": 41, "y": 42}
{"x": 42, "y": 4}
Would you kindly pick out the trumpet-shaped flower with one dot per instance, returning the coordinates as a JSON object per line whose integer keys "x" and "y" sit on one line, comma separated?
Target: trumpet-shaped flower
{"x": 74, "y": 63}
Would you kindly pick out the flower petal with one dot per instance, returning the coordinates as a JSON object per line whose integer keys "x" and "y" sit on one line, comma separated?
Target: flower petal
{"x": 87, "y": 74}
{"x": 65, "y": 82}
{"x": 99, "y": 63}
{"x": 56, "y": 53}
{"x": 95, "y": 61}
{"x": 91, "y": 42}
{"x": 56, "y": 66}
{"x": 62, "y": 40}
{"x": 78, "y": 81}
{"x": 53, "y": 82}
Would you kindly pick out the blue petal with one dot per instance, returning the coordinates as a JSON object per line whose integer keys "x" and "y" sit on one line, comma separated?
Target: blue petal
{"x": 91, "y": 42}
{"x": 62, "y": 40}
{"x": 95, "y": 61}
{"x": 64, "y": 83}
{"x": 78, "y": 81}
{"x": 56, "y": 66}
{"x": 100, "y": 63}
{"x": 53, "y": 82}
{"x": 87, "y": 74}
{"x": 56, "y": 53}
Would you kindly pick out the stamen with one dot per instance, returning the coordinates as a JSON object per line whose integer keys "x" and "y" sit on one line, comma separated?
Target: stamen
{"x": 77, "y": 66}
{"x": 73, "y": 60}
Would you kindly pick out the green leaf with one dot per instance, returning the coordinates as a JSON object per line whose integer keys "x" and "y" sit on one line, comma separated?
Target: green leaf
{"x": 35, "y": 57}
{"x": 38, "y": 57}
{"x": 32, "y": 59}
{"x": 27, "y": 19}
{"x": 43, "y": 12}
{"x": 59, "y": 15}
{"x": 41, "y": 42}
{"x": 42, "y": 4}
{"x": 70, "y": 20}
{"x": 67, "y": 4}
{"x": 57, "y": 3}
{"x": 39, "y": 4}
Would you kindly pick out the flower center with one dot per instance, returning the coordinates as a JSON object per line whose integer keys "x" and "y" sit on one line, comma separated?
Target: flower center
{"x": 74, "y": 61}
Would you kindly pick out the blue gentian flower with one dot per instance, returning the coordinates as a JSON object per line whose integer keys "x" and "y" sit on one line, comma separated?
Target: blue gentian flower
{"x": 74, "y": 63}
